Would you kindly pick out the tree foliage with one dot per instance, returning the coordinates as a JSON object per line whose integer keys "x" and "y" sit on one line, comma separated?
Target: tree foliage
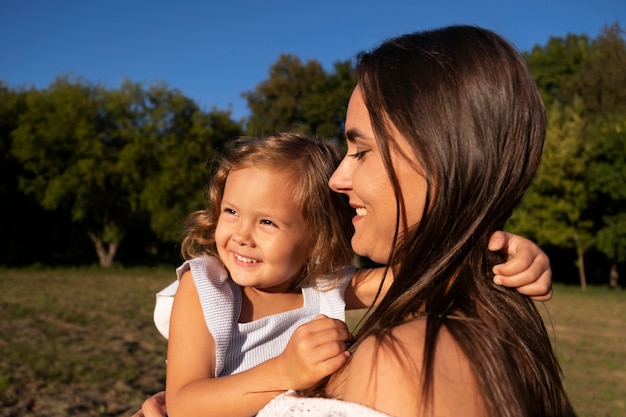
{"x": 60, "y": 142}
{"x": 302, "y": 97}
{"x": 607, "y": 180}
{"x": 603, "y": 83}
{"x": 556, "y": 66}
{"x": 21, "y": 217}
{"x": 112, "y": 158}
{"x": 579, "y": 194}
{"x": 169, "y": 140}
{"x": 554, "y": 210}
{"x": 113, "y": 164}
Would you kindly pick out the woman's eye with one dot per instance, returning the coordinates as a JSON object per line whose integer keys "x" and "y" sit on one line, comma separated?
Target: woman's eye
{"x": 358, "y": 155}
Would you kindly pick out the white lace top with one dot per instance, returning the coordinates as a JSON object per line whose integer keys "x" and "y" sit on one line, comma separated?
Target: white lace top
{"x": 290, "y": 405}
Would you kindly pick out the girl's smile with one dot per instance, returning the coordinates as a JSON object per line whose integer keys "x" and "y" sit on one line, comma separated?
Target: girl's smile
{"x": 261, "y": 234}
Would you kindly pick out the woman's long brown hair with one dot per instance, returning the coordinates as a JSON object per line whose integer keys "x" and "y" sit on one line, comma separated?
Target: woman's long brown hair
{"x": 464, "y": 100}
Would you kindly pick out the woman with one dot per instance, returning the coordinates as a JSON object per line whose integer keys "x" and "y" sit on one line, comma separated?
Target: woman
{"x": 445, "y": 131}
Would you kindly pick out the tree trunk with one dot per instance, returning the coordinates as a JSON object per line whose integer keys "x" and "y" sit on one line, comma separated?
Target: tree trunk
{"x": 581, "y": 263}
{"x": 105, "y": 255}
{"x": 614, "y": 277}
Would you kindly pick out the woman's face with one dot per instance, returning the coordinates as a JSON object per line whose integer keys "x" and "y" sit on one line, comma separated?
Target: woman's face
{"x": 363, "y": 178}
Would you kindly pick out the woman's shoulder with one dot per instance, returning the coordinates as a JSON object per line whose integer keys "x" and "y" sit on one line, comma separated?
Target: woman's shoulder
{"x": 386, "y": 373}
{"x": 449, "y": 359}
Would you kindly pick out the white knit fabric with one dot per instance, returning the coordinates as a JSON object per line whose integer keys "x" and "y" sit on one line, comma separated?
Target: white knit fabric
{"x": 290, "y": 405}
{"x": 241, "y": 346}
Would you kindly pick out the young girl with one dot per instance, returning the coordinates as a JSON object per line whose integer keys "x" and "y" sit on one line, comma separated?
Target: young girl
{"x": 268, "y": 255}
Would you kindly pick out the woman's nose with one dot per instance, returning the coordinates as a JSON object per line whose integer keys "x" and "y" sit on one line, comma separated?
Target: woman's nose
{"x": 341, "y": 180}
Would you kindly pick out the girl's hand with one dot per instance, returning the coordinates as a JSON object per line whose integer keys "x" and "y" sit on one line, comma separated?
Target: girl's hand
{"x": 527, "y": 268}
{"x": 316, "y": 349}
{"x": 153, "y": 406}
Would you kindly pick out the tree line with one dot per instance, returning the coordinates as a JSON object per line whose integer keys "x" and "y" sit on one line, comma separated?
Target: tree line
{"x": 107, "y": 175}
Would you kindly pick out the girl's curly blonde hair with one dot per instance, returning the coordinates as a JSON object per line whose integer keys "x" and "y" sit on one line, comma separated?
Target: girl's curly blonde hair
{"x": 311, "y": 161}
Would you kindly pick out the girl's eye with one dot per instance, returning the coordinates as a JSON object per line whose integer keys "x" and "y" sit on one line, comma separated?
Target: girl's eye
{"x": 358, "y": 155}
{"x": 229, "y": 211}
{"x": 267, "y": 222}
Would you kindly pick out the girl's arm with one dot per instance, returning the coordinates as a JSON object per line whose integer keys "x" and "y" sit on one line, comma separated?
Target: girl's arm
{"x": 527, "y": 269}
{"x": 314, "y": 351}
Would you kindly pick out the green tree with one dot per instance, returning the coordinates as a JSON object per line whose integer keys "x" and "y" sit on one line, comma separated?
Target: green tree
{"x": 555, "y": 67}
{"x": 301, "y": 97}
{"x": 16, "y": 209}
{"x": 583, "y": 84}
{"x": 63, "y": 145}
{"x": 601, "y": 82}
{"x": 173, "y": 140}
{"x": 12, "y": 105}
{"x": 607, "y": 179}
{"x": 116, "y": 158}
{"x": 601, "y": 78}
{"x": 554, "y": 209}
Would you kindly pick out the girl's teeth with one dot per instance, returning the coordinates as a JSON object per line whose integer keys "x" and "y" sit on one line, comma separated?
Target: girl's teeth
{"x": 361, "y": 211}
{"x": 246, "y": 260}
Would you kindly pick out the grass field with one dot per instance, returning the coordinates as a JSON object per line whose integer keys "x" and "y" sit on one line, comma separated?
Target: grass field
{"x": 80, "y": 342}
{"x": 589, "y": 337}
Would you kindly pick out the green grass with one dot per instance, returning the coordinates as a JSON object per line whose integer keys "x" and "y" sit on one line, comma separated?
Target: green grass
{"x": 588, "y": 330}
{"x": 81, "y": 342}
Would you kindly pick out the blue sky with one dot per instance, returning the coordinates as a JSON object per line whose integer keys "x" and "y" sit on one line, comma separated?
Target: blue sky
{"x": 215, "y": 50}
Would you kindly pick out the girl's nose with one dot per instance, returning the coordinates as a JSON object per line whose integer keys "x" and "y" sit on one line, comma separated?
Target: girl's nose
{"x": 241, "y": 236}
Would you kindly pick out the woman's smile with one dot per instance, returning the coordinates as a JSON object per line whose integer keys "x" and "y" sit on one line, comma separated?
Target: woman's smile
{"x": 362, "y": 176}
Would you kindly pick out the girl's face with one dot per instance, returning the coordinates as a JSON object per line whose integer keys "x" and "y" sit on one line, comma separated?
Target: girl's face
{"x": 260, "y": 233}
{"x": 363, "y": 178}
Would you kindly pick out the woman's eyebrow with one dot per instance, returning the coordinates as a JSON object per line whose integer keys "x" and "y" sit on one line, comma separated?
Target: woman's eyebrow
{"x": 350, "y": 135}
{"x": 353, "y": 134}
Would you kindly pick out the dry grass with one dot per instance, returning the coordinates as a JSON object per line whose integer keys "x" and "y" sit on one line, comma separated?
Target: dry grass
{"x": 82, "y": 343}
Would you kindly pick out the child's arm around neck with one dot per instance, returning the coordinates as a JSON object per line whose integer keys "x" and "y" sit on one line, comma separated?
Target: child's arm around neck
{"x": 527, "y": 269}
